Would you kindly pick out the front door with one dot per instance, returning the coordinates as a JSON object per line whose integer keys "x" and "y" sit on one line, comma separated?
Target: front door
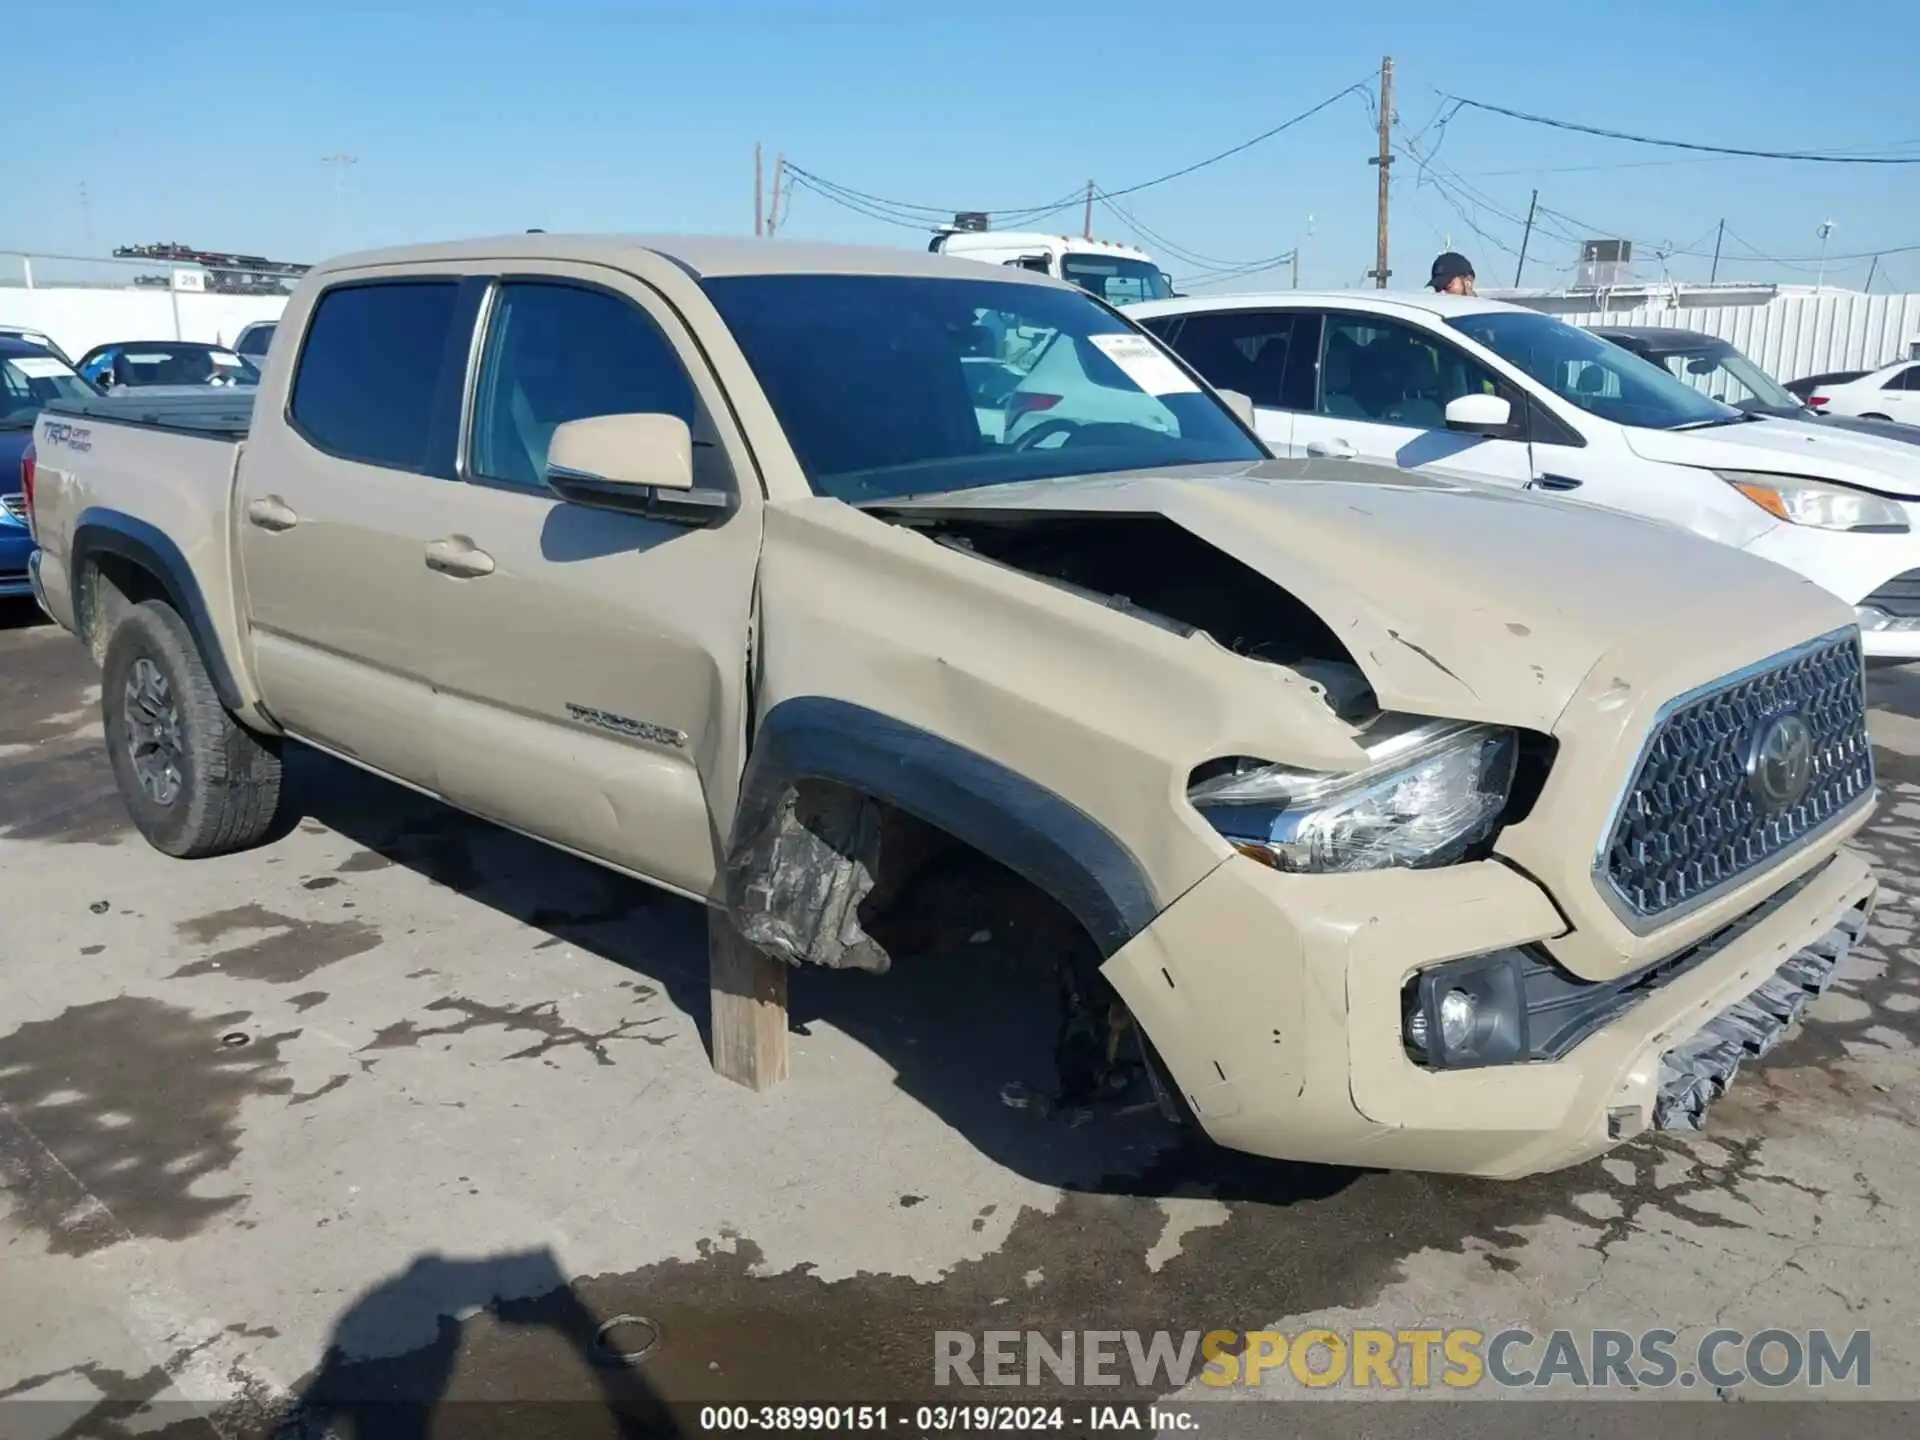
{"x": 593, "y": 677}
{"x": 335, "y": 510}
{"x": 1383, "y": 394}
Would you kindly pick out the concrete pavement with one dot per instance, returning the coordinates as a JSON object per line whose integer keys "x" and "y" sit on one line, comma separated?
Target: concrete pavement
{"x": 406, "y": 1105}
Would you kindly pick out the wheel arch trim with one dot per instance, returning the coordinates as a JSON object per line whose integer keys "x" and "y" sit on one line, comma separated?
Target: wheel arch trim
{"x": 103, "y": 531}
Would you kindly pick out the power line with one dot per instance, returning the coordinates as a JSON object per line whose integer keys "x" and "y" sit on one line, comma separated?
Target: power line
{"x": 919, "y": 216}
{"x": 1179, "y": 252}
{"x": 1806, "y": 155}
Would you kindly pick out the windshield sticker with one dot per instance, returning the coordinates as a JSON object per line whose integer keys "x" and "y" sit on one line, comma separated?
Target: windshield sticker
{"x": 1144, "y": 365}
{"x": 39, "y": 367}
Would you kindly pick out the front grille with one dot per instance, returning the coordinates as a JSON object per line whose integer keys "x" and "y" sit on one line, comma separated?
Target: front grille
{"x": 16, "y": 506}
{"x": 1692, "y": 821}
{"x": 1899, "y": 597}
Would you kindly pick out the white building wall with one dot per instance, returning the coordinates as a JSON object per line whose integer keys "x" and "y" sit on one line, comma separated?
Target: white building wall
{"x": 1788, "y": 334}
{"x": 79, "y": 319}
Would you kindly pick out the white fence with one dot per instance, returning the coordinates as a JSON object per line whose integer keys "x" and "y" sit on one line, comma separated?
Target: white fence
{"x": 81, "y": 302}
{"x": 1787, "y": 335}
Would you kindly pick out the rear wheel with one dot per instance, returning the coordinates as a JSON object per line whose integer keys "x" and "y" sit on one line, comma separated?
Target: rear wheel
{"x": 195, "y": 782}
{"x": 1876, "y": 415}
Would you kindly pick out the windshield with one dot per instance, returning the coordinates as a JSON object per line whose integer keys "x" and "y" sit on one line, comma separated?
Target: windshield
{"x": 1726, "y": 375}
{"x": 29, "y": 382}
{"x": 1594, "y": 374}
{"x": 1115, "y": 280}
{"x": 140, "y": 366}
{"x": 886, "y": 385}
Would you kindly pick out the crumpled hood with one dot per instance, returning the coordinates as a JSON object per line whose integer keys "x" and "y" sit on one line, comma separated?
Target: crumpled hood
{"x": 1790, "y": 447}
{"x": 1455, "y": 600}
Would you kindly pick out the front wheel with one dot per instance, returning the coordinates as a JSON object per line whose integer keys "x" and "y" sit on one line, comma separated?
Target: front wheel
{"x": 195, "y": 782}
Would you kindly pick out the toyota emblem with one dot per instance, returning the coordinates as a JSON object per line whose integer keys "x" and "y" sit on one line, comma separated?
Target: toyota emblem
{"x": 1780, "y": 761}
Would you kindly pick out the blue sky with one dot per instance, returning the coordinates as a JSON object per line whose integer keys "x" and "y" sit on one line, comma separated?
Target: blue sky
{"x": 207, "y": 124}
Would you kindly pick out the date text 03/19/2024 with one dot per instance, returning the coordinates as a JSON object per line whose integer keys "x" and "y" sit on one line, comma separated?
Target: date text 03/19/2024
{"x": 939, "y": 1419}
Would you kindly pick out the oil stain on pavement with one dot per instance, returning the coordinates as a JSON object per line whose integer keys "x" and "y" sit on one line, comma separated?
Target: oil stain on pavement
{"x": 138, "y": 1101}
{"x": 289, "y": 950}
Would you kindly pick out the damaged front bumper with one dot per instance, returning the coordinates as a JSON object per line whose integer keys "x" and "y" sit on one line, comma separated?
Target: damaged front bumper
{"x": 1696, "y": 1073}
{"x": 1275, "y": 1003}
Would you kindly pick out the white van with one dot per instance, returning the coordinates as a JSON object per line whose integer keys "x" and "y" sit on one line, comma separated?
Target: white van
{"x": 1473, "y": 388}
{"x": 1118, "y": 274}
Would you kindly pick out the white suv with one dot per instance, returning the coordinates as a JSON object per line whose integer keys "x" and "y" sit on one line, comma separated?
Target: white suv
{"x": 1488, "y": 392}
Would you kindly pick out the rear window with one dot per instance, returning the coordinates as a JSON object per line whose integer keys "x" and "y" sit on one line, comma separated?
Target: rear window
{"x": 370, "y": 370}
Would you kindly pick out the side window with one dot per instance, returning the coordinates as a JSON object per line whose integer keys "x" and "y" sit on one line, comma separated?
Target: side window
{"x": 1167, "y": 327}
{"x": 1907, "y": 379}
{"x": 370, "y": 371}
{"x": 1381, "y": 370}
{"x": 556, "y": 353}
{"x": 1267, "y": 355}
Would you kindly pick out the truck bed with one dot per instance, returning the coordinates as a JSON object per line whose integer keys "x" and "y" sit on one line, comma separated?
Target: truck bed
{"x": 220, "y": 414}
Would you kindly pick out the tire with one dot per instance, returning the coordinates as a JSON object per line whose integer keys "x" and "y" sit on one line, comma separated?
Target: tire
{"x": 1875, "y": 415}
{"x": 195, "y": 782}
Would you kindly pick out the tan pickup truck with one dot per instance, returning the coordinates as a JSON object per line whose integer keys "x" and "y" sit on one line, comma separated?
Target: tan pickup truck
{"x": 1401, "y": 823}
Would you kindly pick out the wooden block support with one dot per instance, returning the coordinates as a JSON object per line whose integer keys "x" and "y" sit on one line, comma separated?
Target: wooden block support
{"x": 749, "y": 999}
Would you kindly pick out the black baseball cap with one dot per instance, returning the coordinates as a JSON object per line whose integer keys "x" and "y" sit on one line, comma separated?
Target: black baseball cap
{"x": 1451, "y": 265}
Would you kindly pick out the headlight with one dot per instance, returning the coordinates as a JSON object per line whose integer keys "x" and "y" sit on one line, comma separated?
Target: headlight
{"x": 1434, "y": 788}
{"x": 1816, "y": 503}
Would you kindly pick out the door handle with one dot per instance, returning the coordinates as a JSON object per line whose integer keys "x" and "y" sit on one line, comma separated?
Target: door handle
{"x": 1553, "y": 482}
{"x": 1332, "y": 449}
{"x": 456, "y": 555}
{"x": 270, "y": 512}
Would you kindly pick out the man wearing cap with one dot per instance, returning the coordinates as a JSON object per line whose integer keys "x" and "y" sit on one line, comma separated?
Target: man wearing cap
{"x": 1452, "y": 274}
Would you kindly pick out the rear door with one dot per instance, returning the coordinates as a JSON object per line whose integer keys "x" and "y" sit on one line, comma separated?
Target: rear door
{"x": 1899, "y": 397}
{"x": 593, "y": 673}
{"x": 1270, "y": 356}
{"x": 337, "y": 502}
{"x": 1384, "y": 388}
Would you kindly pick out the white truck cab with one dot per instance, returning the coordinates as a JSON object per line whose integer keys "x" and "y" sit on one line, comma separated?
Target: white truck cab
{"x": 1119, "y": 274}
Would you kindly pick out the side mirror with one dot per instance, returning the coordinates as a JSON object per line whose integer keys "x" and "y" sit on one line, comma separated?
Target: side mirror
{"x": 1479, "y": 415}
{"x": 1240, "y": 404}
{"x": 641, "y": 464}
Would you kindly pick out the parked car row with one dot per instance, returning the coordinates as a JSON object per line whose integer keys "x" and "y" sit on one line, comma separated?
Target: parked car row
{"x": 1386, "y": 816}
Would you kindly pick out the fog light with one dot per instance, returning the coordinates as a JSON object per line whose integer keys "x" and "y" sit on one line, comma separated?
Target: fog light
{"x": 1467, "y": 1013}
{"x": 1458, "y": 1011}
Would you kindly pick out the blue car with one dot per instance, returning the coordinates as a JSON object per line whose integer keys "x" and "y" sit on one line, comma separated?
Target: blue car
{"x": 30, "y": 376}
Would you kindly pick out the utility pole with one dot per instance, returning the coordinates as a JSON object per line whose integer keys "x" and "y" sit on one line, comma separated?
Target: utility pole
{"x": 773, "y": 207}
{"x": 1525, "y": 236}
{"x": 1718, "y": 236}
{"x": 1820, "y": 275}
{"x": 1871, "y": 269}
{"x": 1385, "y": 161}
{"x": 1086, "y": 229}
{"x": 759, "y": 193}
{"x": 1295, "y": 257}
{"x": 339, "y": 162}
